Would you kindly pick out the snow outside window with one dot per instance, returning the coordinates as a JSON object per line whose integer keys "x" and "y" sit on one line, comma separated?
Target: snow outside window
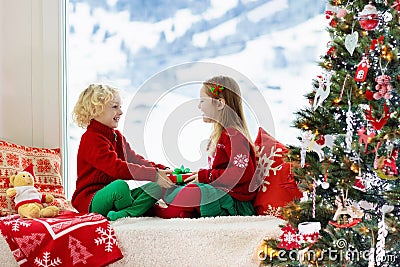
{"x": 139, "y": 46}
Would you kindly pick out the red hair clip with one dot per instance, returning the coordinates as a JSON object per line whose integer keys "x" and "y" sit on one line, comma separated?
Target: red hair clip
{"x": 216, "y": 89}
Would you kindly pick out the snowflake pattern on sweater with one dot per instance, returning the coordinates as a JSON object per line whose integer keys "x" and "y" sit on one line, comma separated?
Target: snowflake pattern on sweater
{"x": 232, "y": 166}
{"x": 241, "y": 161}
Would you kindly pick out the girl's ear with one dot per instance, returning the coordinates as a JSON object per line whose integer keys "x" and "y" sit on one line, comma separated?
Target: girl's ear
{"x": 221, "y": 103}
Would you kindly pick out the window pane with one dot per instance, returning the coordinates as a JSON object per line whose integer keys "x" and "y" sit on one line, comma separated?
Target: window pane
{"x": 274, "y": 44}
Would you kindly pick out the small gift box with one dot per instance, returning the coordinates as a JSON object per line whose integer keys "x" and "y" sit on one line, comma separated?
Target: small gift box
{"x": 180, "y": 174}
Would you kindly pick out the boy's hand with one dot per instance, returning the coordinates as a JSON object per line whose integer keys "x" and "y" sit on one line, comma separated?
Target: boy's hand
{"x": 192, "y": 179}
{"x": 163, "y": 179}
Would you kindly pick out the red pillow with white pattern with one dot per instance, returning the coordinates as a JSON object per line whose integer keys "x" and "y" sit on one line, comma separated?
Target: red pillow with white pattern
{"x": 47, "y": 162}
{"x": 277, "y": 187}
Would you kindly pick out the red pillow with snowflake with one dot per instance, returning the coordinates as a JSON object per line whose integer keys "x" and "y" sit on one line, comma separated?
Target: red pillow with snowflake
{"x": 276, "y": 184}
{"x": 47, "y": 163}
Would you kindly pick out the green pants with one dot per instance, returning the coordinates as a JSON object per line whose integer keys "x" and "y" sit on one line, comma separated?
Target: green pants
{"x": 116, "y": 200}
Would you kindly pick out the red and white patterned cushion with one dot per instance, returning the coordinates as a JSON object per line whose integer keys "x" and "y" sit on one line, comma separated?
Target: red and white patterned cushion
{"x": 47, "y": 164}
{"x": 277, "y": 187}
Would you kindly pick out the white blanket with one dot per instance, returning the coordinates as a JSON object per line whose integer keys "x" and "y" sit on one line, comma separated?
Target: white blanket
{"x": 219, "y": 241}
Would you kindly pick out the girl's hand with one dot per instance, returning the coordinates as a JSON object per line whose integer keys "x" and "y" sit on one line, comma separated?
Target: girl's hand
{"x": 163, "y": 179}
{"x": 192, "y": 179}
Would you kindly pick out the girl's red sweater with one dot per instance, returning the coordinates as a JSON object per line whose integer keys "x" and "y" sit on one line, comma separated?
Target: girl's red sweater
{"x": 104, "y": 156}
{"x": 232, "y": 167}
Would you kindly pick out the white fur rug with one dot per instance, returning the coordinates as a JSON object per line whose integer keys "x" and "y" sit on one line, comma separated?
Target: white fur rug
{"x": 219, "y": 241}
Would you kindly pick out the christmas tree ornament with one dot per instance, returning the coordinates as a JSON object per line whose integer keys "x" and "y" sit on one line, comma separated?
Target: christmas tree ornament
{"x": 383, "y": 87}
{"x": 387, "y": 16}
{"x": 396, "y": 6}
{"x": 349, "y": 128}
{"x": 308, "y": 143}
{"x": 365, "y": 205}
{"x": 378, "y": 123}
{"x": 323, "y": 90}
{"x": 380, "y": 40}
{"x": 368, "y": 17}
{"x": 289, "y": 238}
{"x": 309, "y": 231}
{"x": 341, "y": 12}
{"x": 382, "y": 233}
{"x": 350, "y": 42}
{"x": 365, "y": 138}
{"x": 314, "y": 198}
{"x": 379, "y": 162}
{"x": 385, "y": 167}
{"x": 290, "y": 183}
{"x": 330, "y": 10}
{"x": 325, "y": 184}
{"x": 359, "y": 182}
{"x": 333, "y": 23}
{"x": 346, "y": 215}
{"x": 321, "y": 140}
{"x": 305, "y": 197}
{"x": 362, "y": 70}
{"x": 338, "y": 100}
{"x": 332, "y": 50}
{"x": 369, "y": 95}
{"x": 389, "y": 166}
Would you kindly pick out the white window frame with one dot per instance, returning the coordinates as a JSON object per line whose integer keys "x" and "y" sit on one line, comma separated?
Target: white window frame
{"x": 64, "y": 96}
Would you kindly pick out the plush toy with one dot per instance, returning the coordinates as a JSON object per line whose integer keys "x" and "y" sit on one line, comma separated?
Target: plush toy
{"x": 384, "y": 88}
{"x": 28, "y": 201}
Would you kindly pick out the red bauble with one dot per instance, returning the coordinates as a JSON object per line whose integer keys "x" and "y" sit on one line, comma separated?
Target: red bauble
{"x": 321, "y": 140}
{"x": 368, "y": 18}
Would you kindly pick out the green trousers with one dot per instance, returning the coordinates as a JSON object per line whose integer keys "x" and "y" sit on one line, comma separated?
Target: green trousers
{"x": 116, "y": 200}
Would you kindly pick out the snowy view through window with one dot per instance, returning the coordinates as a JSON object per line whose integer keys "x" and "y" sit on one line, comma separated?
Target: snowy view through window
{"x": 275, "y": 44}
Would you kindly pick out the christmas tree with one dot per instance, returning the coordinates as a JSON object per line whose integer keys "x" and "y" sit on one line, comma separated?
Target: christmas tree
{"x": 347, "y": 161}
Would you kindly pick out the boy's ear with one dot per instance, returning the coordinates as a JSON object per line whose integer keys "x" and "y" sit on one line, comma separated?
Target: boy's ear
{"x": 221, "y": 104}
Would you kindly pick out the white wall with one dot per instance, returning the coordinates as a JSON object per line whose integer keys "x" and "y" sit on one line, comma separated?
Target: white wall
{"x": 30, "y": 72}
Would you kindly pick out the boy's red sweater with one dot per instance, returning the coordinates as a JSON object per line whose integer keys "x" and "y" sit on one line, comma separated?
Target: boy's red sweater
{"x": 232, "y": 167}
{"x": 104, "y": 156}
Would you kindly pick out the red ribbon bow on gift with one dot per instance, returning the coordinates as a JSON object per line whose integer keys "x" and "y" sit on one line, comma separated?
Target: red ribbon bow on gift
{"x": 178, "y": 173}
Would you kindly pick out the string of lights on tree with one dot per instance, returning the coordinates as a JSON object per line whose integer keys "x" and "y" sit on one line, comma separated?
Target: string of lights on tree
{"x": 347, "y": 161}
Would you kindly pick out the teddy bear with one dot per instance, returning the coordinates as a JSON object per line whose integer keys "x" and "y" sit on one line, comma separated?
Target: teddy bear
{"x": 383, "y": 87}
{"x": 28, "y": 201}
